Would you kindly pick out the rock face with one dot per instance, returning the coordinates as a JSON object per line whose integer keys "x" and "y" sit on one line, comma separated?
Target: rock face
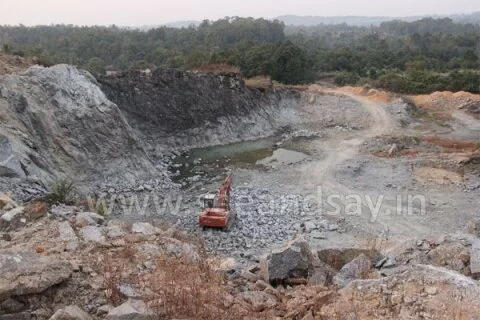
{"x": 291, "y": 262}
{"x": 23, "y": 273}
{"x": 197, "y": 109}
{"x": 59, "y": 123}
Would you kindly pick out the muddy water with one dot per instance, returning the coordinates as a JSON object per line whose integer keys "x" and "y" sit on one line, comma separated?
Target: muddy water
{"x": 259, "y": 154}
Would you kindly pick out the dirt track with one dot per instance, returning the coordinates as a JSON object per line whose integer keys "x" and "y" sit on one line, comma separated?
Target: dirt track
{"x": 341, "y": 164}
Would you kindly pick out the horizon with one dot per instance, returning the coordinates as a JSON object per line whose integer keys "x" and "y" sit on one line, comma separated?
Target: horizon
{"x": 149, "y": 12}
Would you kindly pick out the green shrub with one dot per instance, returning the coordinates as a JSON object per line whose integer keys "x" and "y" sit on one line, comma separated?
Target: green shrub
{"x": 64, "y": 191}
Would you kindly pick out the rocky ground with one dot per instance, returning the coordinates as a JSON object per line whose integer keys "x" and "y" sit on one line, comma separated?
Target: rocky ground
{"x": 324, "y": 227}
{"x": 66, "y": 263}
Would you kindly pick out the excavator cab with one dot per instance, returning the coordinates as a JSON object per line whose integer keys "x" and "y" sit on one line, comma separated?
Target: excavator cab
{"x": 208, "y": 201}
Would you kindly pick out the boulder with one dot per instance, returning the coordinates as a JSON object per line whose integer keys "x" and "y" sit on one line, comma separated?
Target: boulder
{"x": 144, "y": 228}
{"x": 180, "y": 249}
{"x": 451, "y": 255}
{"x": 63, "y": 211}
{"x": 84, "y": 219}
{"x": 291, "y": 262}
{"x": 358, "y": 268}
{"x": 23, "y": 273}
{"x": 338, "y": 257}
{"x": 66, "y": 231}
{"x": 70, "y": 313}
{"x": 93, "y": 234}
{"x": 13, "y": 219}
{"x": 130, "y": 310}
{"x": 322, "y": 274}
{"x": 12, "y": 306}
{"x": 67, "y": 234}
{"x": 475, "y": 259}
{"x": 115, "y": 231}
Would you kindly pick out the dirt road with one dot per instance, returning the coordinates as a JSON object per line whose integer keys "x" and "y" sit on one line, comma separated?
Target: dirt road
{"x": 396, "y": 216}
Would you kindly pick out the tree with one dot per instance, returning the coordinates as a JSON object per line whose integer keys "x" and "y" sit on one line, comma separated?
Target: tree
{"x": 6, "y": 48}
{"x": 290, "y": 65}
{"x": 95, "y": 66}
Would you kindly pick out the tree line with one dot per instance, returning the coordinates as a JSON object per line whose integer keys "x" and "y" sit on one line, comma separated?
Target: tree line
{"x": 411, "y": 57}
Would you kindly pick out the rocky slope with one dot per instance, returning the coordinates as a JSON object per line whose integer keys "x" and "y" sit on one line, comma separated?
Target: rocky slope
{"x": 66, "y": 263}
{"x": 194, "y": 109}
{"x": 56, "y": 122}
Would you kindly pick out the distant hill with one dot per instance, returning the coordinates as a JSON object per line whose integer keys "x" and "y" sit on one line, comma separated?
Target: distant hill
{"x": 183, "y": 24}
{"x": 367, "y": 21}
{"x": 350, "y": 20}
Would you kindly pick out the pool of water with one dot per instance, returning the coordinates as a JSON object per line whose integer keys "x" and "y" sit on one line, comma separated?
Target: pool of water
{"x": 282, "y": 157}
{"x": 261, "y": 153}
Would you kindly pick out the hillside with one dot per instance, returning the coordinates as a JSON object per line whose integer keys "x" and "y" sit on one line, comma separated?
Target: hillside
{"x": 364, "y": 21}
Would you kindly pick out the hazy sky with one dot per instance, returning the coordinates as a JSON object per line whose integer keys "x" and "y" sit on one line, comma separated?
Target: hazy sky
{"x": 148, "y": 12}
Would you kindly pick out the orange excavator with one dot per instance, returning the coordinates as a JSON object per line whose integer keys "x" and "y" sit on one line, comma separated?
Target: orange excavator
{"x": 217, "y": 212}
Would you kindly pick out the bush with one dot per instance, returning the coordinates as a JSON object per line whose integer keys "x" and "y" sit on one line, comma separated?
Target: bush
{"x": 345, "y": 78}
{"x": 64, "y": 191}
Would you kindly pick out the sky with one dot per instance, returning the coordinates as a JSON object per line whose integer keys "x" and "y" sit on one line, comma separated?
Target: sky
{"x": 151, "y": 12}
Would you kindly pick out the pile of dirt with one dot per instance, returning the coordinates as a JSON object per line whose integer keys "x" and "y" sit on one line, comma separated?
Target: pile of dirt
{"x": 372, "y": 94}
{"x": 443, "y": 104}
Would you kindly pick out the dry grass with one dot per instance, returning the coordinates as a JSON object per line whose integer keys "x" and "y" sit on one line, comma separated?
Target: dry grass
{"x": 217, "y": 68}
{"x": 112, "y": 277}
{"x": 189, "y": 289}
{"x": 259, "y": 82}
{"x": 95, "y": 205}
